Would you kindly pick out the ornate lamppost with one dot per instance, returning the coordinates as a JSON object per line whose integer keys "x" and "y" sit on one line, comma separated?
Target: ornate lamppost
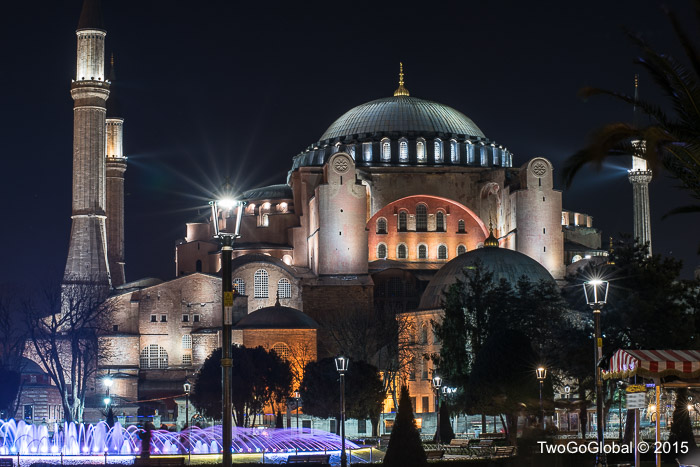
{"x": 297, "y": 399}
{"x": 596, "y": 292}
{"x": 187, "y": 387}
{"x": 341, "y": 364}
{"x": 108, "y": 381}
{"x": 226, "y": 241}
{"x": 541, "y": 373}
{"x": 437, "y": 383}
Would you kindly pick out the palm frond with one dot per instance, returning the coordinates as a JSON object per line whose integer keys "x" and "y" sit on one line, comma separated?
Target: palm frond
{"x": 690, "y": 209}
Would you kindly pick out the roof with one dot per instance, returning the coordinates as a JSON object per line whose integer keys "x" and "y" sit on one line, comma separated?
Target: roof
{"x": 654, "y": 363}
{"x": 402, "y": 114}
{"x": 282, "y": 191}
{"x": 277, "y": 317}
{"x": 503, "y": 263}
{"x": 91, "y": 15}
{"x": 242, "y": 260}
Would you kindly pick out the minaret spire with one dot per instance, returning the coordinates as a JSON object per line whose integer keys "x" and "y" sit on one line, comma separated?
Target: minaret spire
{"x": 640, "y": 176}
{"x": 401, "y": 91}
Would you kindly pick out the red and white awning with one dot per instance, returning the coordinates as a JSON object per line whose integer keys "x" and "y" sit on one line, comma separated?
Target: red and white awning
{"x": 654, "y": 363}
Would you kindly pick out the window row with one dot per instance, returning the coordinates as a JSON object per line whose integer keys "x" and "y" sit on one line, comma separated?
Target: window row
{"x": 185, "y": 318}
{"x": 474, "y": 153}
{"x": 421, "y": 251}
{"x": 261, "y": 285}
{"x": 421, "y": 221}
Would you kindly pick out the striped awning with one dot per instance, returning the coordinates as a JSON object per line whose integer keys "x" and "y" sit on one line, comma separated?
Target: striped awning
{"x": 654, "y": 363}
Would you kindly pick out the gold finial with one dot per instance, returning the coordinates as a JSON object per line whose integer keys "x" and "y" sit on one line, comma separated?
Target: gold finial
{"x": 401, "y": 91}
{"x": 111, "y": 60}
{"x": 491, "y": 240}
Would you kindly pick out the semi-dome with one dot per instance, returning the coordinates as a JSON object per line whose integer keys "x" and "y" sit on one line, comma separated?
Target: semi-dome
{"x": 503, "y": 263}
{"x": 277, "y": 317}
{"x": 404, "y": 115}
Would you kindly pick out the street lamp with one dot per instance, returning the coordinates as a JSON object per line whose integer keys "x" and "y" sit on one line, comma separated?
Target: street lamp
{"x": 108, "y": 381}
{"x": 541, "y": 373}
{"x": 187, "y": 387}
{"x": 437, "y": 382}
{"x": 596, "y": 292}
{"x": 341, "y": 364}
{"x": 297, "y": 398}
{"x": 226, "y": 241}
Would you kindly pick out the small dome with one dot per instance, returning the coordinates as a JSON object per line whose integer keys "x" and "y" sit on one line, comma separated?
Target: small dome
{"x": 503, "y": 263}
{"x": 277, "y": 317}
{"x": 402, "y": 114}
{"x": 282, "y": 191}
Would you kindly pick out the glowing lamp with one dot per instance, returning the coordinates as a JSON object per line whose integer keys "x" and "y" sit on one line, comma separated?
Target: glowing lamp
{"x": 341, "y": 364}
{"x": 596, "y": 292}
{"x": 227, "y": 203}
{"x": 187, "y": 386}
{"x": 437, "y": 382}
{"x": 541, "y": 373}
{"x": 107, "y": 400}
{"x": 108, "y": 381}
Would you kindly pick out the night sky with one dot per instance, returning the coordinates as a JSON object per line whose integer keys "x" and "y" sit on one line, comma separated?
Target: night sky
{"x": 220, "y": 89}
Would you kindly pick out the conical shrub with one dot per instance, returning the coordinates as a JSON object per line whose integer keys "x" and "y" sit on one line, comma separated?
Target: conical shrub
{"x": 405, "y": 447}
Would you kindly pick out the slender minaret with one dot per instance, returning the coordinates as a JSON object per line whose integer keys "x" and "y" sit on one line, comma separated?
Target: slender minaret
{"x": 640, "y": 176}
{"x": 87, "y": 252}
{"x": 116, "y": 166}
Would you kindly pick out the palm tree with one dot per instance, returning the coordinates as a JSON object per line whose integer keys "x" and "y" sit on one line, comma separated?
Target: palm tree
{"x": 671, "y": 141}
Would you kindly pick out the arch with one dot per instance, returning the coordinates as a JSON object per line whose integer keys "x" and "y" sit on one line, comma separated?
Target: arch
{"x": 239, "y": 285}
{"x": 186, "y": 341}
{"x": 403, "y": 150}
{"x": 423, "y": 338}
{"x": 198, "y": 266}
{"x": 403, "y": 221}
{"x": 440, "y": 221}
{"x": 153, "y": 357}
{"x": 420, "y": 151}
{"x": 454, "y": 151}
{"x": 386, "y": 150}
{"x": 422, "y": 251}
{"x": 470, "y": 152}
{"x": 284, "y": 288}
{"x": 576, "y": 258}
{"x": 461, "y": 226}
{"x": 282, "y": 350}
{"x": 381, "y": 225}
{"x": 461, "y": 249}
{"x": 381, "y": 251}
{"x": 367, "y": 152}
{"x": 442, "y": 251}
{"x": 261, "y": 289}
{"x": 437, "y": 149}
{"x": 421, "y": 217}
{"x": 401, "y": 251}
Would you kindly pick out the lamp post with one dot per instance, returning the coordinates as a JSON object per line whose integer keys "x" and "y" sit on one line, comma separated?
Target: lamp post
{"x": 108, "y": 381}
{"x": 187, "y": 387}
{"x": 226, "y": 241}
{"x": 341, "y": 364}
{"x": 596, "y": 292}
{"x": 437, "y": 383}
{"x": 297, "y": 398}
{"x": 541, "y": 373}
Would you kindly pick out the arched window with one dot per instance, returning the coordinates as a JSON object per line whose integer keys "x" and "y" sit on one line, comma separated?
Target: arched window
{"x": 351, "y": 150}
{"x": 284, "y": 288}
{"x": 154, "y": 357}
{"x": 461, "y": 249}
{"x": 438, "y": 151}
{"x": 484, "y": 156}
{"x": 442, "y": 252}
{"x": 403, "y": 150}
{"x": 239, "y": 285}
{"x": 470, "y": 153}
{"x": 423, "y": 334}
{"x": 440, "y": 221}
{"x": 420, "y": 150}
{"x": 282, "y": 350}
{"x": 576, "y": 258}
{"x": 421, "y": 218}
{"x": 402, "y": 252}
{"x": 260, "y": 285}
{"x": 460, "y": 226}
{"x": 381, "y": 225}
{"x": 386, "y": 150}
{"x": 265, "y": 220}
{"x": 198, "y": 266}
{"x": 403, "y": 221}
{"x": 187, "y": 341}
{"x": 454, "y": 152}
{"x": 381, "y": 251}
{"x": 422, "y": 252}
{"x": 367, "y": 151}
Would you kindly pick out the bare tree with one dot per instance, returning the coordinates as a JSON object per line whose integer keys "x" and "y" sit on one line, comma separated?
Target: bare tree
{"x": 12, "y": 344}
{"x": 63, "y": 335}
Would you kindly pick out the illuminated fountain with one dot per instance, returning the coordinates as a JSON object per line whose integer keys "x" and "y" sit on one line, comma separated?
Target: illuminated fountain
{"x": 20, "y": 438}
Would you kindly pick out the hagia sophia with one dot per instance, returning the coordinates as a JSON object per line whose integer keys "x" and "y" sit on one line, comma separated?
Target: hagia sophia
{"x": 383, "y": 209}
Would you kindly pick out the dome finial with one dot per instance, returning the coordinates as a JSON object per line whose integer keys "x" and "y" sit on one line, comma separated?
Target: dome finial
{"x": 401, "y": 91}
{"x": 491, "y": 240}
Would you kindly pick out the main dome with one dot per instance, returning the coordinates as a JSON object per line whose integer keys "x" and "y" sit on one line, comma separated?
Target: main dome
{"x": 402, "y": 114}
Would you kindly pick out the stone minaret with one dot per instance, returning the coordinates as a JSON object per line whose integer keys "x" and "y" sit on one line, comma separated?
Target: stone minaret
{"x": 116, "y": 166}
{"x": 640, "y": 176}
{"x": 87, "y": 252}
